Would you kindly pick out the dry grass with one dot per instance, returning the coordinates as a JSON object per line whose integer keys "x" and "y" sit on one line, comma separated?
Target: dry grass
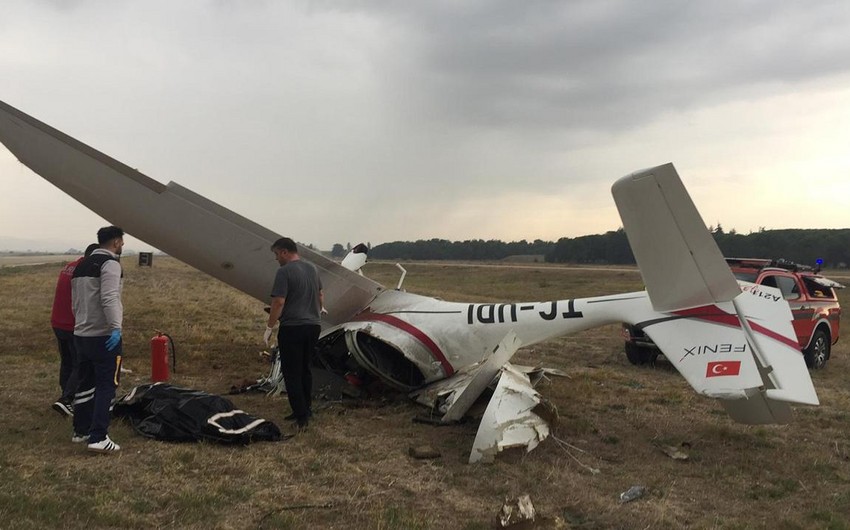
{"x": 351, "y": 469}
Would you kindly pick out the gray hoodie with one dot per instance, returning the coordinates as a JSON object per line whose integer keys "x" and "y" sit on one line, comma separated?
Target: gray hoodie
{"x": 96, "y": 294}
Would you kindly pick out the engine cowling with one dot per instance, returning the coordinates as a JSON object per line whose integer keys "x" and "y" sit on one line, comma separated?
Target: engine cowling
{"x": 392, "y": 355}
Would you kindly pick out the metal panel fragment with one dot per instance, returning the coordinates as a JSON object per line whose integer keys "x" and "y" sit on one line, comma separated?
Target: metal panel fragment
{"x": 509, "y": 420}
{"x": 463, "y": 399}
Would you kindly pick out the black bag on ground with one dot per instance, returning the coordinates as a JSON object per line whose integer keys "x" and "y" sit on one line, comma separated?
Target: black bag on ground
{"x": 175, "y": 414}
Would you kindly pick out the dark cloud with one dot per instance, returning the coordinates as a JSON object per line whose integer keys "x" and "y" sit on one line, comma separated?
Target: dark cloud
{"x": 609, "y": 65}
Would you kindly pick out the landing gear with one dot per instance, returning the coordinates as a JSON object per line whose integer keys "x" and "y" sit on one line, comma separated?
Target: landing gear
{"x": 638, "y": 355}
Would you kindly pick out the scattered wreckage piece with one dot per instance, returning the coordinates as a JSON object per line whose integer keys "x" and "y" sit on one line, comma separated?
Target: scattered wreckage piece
{"x": 673, "y": 452}
{"x": 454, "y": 397}
{"x": 509, "y": 420}
{"x": 569, "y": 448}
{"x": 464, "y": 399}
{"x": 424, "y": 452}
{"x": 326, "y": 384}
{"x": 515, "y": 511}
{"x": 633, "y": 493}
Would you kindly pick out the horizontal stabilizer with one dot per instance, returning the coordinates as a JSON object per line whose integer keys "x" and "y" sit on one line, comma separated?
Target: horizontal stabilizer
{"x": 707, "y": 346}
{"x": 743, "y": 353}
{"x": 766, "y": 320}
{"x": 678, "y": 258}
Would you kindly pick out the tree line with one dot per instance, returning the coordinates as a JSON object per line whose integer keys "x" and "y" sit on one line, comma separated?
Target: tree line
{"x": 803, "y": 246}
{"x": 473, "y": 249}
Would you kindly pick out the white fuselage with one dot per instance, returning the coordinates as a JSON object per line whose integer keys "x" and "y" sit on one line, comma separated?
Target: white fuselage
{"x": 441, "y": 337}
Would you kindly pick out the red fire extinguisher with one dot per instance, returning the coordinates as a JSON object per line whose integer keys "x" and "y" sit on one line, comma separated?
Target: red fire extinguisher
{"x": 159, "y": 357}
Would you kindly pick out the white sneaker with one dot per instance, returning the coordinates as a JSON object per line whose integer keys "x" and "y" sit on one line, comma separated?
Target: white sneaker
{"x": 77, "y": 438}
{"x": 104, "y": 446}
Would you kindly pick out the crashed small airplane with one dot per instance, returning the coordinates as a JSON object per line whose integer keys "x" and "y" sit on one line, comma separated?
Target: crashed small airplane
{"x": 729, "y": 343}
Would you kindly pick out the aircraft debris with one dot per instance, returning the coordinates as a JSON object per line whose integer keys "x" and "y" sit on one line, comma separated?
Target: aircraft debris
{"x": 537, "y": 373}
{"x": 633, "y": 493}
{"x": 424, "y": 452}
{"x": 509, "y": 420}
{"x": 515, "y": 511}
{"x": 456, "y": 398}
{"x": 673, "y": 452}
{"x": 567, "y": 446}
{"x": 436, "y": 422}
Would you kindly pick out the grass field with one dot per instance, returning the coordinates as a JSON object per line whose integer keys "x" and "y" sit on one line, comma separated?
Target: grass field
{"x": 351, "y": 469}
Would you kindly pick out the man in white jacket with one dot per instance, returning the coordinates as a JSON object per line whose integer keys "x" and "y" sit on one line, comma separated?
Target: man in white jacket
{"x": 98, "y": 314}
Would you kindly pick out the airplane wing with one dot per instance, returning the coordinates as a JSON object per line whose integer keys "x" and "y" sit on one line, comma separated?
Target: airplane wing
{"x": 176, "y": 220}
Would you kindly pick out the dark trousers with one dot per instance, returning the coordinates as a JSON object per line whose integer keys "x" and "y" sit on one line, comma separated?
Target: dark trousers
{"x": 297, "y": 344}
{"x": 100, "y": 373}
{"x": 69, "y": 373}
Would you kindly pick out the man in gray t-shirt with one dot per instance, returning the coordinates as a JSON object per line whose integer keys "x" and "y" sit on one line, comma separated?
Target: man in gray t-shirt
{"x": 297, "y": 303}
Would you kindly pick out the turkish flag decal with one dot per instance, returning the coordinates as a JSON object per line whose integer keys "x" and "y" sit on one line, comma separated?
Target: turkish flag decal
{"x": 723, "y": 368}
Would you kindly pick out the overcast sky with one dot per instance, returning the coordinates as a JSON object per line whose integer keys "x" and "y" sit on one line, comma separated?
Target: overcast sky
{"x": 378, "y": 121}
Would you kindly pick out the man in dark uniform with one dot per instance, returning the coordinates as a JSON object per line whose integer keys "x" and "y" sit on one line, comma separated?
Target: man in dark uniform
{"x": 297, "y": 303}
{"x": 98, "y": 313}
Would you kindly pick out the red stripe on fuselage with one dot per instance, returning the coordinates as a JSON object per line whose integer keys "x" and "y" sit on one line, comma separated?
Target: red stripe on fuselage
{"x": 714, "y": 314}
{"x": 412, "y": 330}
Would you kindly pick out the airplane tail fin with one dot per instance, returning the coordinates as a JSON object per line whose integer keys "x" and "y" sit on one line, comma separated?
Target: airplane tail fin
{"x": 680, "y": 263}
{"x": 731, "y": 344}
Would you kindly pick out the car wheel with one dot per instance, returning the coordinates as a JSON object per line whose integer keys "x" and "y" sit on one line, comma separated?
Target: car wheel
{"x": 818, "y": 351}
{"x": 636, "y": 354}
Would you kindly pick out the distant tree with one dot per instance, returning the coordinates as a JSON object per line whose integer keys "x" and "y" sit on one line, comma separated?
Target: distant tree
{"x": 611, "y": 247}
{"x": 441, "y": 249}
{"x": 338, "y": 250}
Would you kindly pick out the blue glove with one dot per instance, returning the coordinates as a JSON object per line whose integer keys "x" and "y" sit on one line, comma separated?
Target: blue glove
{"x": 113, "y": 340}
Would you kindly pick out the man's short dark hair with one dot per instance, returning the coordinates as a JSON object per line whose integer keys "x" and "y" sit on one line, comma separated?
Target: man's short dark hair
{"x": 285, "y": 243}
{"x": 108, "y": 233}
{"x": 91, "y": 248}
